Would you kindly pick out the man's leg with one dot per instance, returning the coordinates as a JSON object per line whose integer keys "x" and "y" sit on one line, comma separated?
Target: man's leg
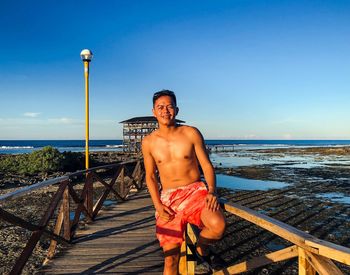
{"x": 214, "y": 227}
{"x": 171, "y": 259}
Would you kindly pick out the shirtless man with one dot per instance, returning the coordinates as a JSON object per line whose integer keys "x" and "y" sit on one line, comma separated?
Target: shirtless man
{"x": 176, "y": 151}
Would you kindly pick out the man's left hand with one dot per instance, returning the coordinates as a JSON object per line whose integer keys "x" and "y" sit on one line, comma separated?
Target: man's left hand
{"x": 211, "y": 202}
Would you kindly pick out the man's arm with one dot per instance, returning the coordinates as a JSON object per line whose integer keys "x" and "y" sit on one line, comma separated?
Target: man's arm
{"x": 152, "y": 184}
{"x": 205, "y": 163}
{"x": 208, "y": 169}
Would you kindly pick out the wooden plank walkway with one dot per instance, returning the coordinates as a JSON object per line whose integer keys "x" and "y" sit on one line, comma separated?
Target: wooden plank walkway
{"x": 120, "y": 241}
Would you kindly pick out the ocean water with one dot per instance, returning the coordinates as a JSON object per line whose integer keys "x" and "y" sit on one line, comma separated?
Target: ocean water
{"x": 244, "y": 155}
{"x": 27, "y": 146}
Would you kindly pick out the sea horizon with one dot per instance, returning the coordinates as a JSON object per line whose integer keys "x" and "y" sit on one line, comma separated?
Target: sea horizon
{"x": 21, "y": 146}
{"x": 233, "y": 139}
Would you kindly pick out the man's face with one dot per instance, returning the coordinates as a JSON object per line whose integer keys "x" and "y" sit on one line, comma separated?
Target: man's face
{"x": 165, "y": 110}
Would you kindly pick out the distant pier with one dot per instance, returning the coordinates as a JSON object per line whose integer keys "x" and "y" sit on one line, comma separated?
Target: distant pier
{"x": 220, "y": 148}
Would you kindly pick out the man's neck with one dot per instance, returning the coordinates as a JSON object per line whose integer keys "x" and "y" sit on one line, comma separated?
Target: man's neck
{"x": 167, "y": 129}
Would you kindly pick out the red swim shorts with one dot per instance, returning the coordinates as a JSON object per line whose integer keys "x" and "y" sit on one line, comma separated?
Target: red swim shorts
{"x": 187, "y": 202}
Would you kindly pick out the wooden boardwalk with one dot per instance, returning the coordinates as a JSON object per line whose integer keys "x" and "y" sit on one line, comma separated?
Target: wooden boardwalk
{"x": 122, "y": 238}
{"x": 120, "y": 241}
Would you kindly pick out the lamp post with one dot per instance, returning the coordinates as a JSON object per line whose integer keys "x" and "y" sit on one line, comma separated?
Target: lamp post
{"x": 86, "y": 56}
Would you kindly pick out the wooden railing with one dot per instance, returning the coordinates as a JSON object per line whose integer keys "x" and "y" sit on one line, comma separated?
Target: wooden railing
{"x": 122, "y": 178}
{"x": 314, "y": 255}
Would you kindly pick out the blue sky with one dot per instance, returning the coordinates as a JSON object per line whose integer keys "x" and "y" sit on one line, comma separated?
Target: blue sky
{"x": 240, "y": 69}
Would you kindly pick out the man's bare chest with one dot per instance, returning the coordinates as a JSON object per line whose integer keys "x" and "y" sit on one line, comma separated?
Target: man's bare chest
{"x": 165, "y": 152}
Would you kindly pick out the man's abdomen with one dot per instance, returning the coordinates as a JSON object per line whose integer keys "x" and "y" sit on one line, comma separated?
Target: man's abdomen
{"x": 173, "y": 176}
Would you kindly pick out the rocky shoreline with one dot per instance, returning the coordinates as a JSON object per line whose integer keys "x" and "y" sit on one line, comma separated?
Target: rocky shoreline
{"x": 299, "y": 205}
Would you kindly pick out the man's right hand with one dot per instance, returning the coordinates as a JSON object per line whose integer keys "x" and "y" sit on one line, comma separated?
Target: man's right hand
{"x": 165, "y": 213}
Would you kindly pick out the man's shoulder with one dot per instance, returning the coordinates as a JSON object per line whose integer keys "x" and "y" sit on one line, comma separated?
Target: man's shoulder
{"x": 192, "y": 133}
{"x": 147, "y": 142}
{"x": 189, "y": 129}
{"x": 149, "y": 137}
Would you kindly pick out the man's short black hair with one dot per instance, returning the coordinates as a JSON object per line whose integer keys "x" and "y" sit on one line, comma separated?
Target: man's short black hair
{"x": 164, "y": 93}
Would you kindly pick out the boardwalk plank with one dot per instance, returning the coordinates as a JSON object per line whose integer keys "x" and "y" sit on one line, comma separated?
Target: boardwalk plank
{"x": 120, "y": 241}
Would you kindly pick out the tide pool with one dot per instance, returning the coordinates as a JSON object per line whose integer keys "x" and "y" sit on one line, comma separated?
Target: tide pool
{"x": 237, "y": 183}
{"x": 335, "y": 197}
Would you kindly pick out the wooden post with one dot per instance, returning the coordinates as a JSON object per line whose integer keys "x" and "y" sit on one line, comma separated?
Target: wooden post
{"x": 89, "y": 204}
{"x": 66, "y": 215}
{"x": 304, "y": 266}
{"x": 122, "y": 183}
{"x": 322, "y": 265}
{"x": 134, "y": 174}
{"x": 187, "y": 260}
{"x": 62, "y": 218}
{"x": 137, "y": 175}
{"x": 183, "y": 258}
{"x": 53, "y": 243}
{"x": 190, "y": 259}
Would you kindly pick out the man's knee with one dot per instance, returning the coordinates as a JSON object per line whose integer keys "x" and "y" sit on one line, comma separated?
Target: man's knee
{"x": 217, "y": 225}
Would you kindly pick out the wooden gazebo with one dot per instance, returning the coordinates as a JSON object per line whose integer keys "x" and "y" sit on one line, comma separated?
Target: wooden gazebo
{"x": 135, "y": 129}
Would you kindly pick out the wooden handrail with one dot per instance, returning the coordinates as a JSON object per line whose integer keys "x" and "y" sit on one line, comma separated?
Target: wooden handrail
{"x": 314, "y": 254}
{"x": 27, "y": 189}
{"x": 39, "y": 185}
{"x": 291, "y": 234}
{"x": 107, "y": 166}
{"x": 65, "y": 226}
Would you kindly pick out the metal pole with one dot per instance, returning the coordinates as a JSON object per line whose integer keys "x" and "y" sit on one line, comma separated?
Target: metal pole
{"x": 86, "y": 56}
{"x": 86, "y": 72}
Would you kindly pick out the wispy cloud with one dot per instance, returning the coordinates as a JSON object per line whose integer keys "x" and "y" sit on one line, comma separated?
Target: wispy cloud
{"x": 65, "y": 120}
{"x": 31, "y": 114}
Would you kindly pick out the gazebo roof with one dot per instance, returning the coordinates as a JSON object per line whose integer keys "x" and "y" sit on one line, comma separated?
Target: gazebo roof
{"x": 145, "y": 119}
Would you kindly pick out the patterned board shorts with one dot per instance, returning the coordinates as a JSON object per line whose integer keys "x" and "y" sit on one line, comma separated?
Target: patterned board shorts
{"x": 187, "y": 202}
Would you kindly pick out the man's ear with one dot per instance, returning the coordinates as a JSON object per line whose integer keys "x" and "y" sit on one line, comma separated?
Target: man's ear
{"x": 176, "y": 111}
{"x": 153, "y": 112}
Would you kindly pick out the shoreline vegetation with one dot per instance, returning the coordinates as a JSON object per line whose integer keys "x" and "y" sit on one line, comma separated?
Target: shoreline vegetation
{"x": 299, "y": 204}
